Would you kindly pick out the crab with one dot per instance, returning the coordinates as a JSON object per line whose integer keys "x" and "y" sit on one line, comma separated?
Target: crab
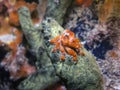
{"x": 67, "y": 43}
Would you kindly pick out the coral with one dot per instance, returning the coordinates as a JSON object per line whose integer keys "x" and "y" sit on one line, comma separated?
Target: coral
{"x": 19, "y": 3}
{"x": 105, "y": 11}
{"x": 85, "y": 3}
{"x": 17, "y": 65}
{"x": 13, "y": 15}
{"x": 67, "y": 43}
{"x": 3, "y": 8}
{"x": 14, "y": 20}
{"x": 6, "y": 6}
{"x": 14, "y": 61}
{"x": 50, "y": 68}
{"x": 42, "y": 6}
{"x": 9, "y": 35}
{"x": 79, "y": 2}
{"x": 3, "y": 12}
{"x": 111, "y": 69}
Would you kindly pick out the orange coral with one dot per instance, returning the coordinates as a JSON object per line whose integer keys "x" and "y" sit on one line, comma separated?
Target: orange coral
{"x": 20, "y": 3}
{"x": 10, "y": 35}
{"x": 113, "y": 54}
{"x": 14, "y": 19}
{"x": 13, "y": 15}
{"x": 79, "y": 2}
{"x": 85, "y": 3}
{"x": 67, "y": 44}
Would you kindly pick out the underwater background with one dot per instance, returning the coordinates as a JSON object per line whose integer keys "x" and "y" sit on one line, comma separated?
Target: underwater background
{"x": 38, "y": 53}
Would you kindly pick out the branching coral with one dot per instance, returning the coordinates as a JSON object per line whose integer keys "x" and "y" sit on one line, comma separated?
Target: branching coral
{"x": 67, "y": 44}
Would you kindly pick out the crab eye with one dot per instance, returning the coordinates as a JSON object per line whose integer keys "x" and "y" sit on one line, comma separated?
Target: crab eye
{"x": 66, "y": 34}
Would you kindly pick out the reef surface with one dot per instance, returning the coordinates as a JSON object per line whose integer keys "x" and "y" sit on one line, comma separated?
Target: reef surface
{"x": 59, "y": 45}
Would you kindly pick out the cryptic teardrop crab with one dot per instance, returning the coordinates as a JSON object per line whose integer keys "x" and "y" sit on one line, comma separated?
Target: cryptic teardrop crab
{"x": 67, "y": 43}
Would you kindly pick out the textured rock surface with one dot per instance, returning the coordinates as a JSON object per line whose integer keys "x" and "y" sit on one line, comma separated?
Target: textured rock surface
{"x": 45, "y": 76}
{"x": 81, "y": 75}
{"x": 57, "y": 9}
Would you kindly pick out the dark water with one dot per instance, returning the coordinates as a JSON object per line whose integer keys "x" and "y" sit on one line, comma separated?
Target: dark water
{"x": 101, "y": 49}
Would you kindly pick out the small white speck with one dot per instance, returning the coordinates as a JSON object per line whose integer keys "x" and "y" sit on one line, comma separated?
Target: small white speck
{"x": 8, "y": 38}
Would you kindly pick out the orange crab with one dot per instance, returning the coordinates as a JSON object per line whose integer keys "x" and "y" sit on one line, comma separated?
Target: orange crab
{"x": 67, "y": 44}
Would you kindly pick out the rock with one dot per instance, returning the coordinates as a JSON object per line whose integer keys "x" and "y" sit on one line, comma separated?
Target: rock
{"x": 57, "y": 9}
{"x": 40, "y": 80}
{"x": 46, "y": 75}
{"x": 81, "y": 75}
